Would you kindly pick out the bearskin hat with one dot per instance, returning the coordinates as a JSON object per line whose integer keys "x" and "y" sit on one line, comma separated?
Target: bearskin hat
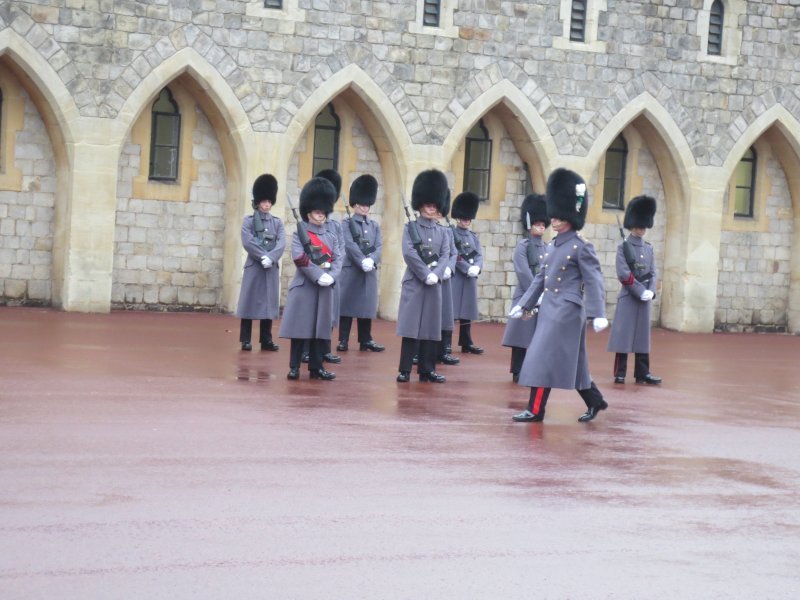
{"x": 430, "y": 187}
{"x": 465, "y": 206}
{"x": 363, "y": 190}
{"x": 534, "y": 209}
{"x": 317, "y": 194}
{"x": 567, "y": 197}
{"x": 445, "y": 210}
{"x": 640, "y": 212}
{"x": 265, "y": 187}
{"x": 334, "y": 178}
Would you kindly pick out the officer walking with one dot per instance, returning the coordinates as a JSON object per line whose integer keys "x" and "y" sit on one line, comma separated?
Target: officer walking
{"x": 426, "y": 251}
{"x": 636, "y": 270}
{"x": 264, "y": 240}
{"x": 568, "y": 288}
{"x": 528, "y": 260}
{"x": 358, "y": 284}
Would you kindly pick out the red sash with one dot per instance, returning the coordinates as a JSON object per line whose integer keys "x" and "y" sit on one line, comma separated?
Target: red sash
{"x": 318, "y": 243}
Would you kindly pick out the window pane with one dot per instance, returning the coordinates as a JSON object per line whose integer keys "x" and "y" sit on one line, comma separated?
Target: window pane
{"x": 166, "y": 130}
{"x": 744, "y": 174}
{"x": 742, "y": 203}
{"x": 323, "y": 163}
{"x": 323, "y": 143}
{"x": 164, "y": 163}
{"x": 611, "y": 193}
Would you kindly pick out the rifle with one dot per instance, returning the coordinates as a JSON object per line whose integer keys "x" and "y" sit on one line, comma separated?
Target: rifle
{"x": 533, "y": 258}
{"x": 264, "y": 238}
{"x": 467, "y": 256}
{"x": 426, "y": 253}
{"x": 363, "y": 244}
{"x": 630, "y": 258}
{"x": 319, "y": 258}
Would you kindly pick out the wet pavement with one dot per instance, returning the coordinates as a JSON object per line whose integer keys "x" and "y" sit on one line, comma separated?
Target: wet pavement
{"x": 142, "y": 455}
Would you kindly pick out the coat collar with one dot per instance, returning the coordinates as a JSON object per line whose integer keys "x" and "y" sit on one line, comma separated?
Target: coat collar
{"x": 563, "y": 238}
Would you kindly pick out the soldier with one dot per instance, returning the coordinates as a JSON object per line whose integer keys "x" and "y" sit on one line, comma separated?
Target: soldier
{"x": 569, "y": 287}
{"x": 426, "y": 251}
{"x": 309, "y": 303}
{"x": 528, "y": 260}
{"x": 468, "y": 266}
{"x": 444, "y": 351}
{"x": 636, "y": 270}
{"x": 264, "y": 240}
{"x": 358, "y": 284}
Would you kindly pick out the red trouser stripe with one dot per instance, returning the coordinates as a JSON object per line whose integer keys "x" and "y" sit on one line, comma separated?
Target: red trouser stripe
{"x": 537, "y": 400}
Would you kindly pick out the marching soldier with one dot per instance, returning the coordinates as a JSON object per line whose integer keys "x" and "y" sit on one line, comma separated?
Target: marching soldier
{"x": 358, "y": 284}
{"x": 528, "y": 259}
{"x": 569, "y": 288}
{"x": 264, "y": 240}
{"x": 636, "y": 270}
{"x": 426, "y": 252}
{"x": 468, "y": 266}
{"x": 309, "y": 303}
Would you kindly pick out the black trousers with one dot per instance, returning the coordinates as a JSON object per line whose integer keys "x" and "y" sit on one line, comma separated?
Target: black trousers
{"x": 425, "y": 351}
{"x": 517, "y": 358}
{"x": 324, "y": 344}
{"x": 445, "y": 346}
{"x": 641, "y": 365}
{"x": 316, "y": 348}
{"x": 465, "y": 333}
{"x": 364, "y": 329}
{"x": 539, "y": 395}
{"x": 246, "y": 330}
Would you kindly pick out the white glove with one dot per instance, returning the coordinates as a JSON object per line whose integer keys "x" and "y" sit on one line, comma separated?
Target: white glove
{"x": 266, "y": 261}
{"x": 599, "y": 323}
{"x": 432, "y": 279}
{"x": 325, "y": 280}
{"x": 367, "y": 265}
{"x": 515, "y": 312}
{"x": 447, "y": 273}
{"x": 646, "y": 296}
{"x": 473, "y": 271}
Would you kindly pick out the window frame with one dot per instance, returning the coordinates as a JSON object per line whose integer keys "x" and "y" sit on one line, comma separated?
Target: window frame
{"x": 753, "y": 160}
{"x": 716, "y": 28}
{"x": 577, "y": 21}
{"x": 484, "y": 174}
{"x": 175, "y": 120}
{"x": 337, "y": 132}
{"x": 620, "y": 176}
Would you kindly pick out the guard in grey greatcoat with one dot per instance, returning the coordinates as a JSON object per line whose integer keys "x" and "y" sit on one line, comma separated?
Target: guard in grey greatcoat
{"x": 568, "y": 289}
{"x": 426, "y": 251}
{"x": 445, "y": 347}
{"x": 309, "y": 303}
{"x": 630, "y": 330}
{"x": 528, "y": 259}
{"x": 358, "y": 284}
{"x": 264, "y": 240}
{"x": 469, "y": 264}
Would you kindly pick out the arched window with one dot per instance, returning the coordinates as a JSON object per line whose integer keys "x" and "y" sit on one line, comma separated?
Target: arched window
{"x": 165, "y": 138}
{"x": 577, "y": 25}
{"x": 715, "y": 24}
{"x": 326, "y": 140}
{"x": 432, "y": 11}
{"x": 478, "y": 161}
{"x": 745, "y": 185}
{"x": 614, "y": 176}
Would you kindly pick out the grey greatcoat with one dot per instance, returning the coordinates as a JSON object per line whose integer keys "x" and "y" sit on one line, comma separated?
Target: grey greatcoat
{"x": 465, "y": 289}
{"x": 309, "y": 306}
{"x": 556, "y": 356}
{"x": 258, "y": 297}
{"x": 336, "y": 270}
{"x": 359, "y": 290}
{"x": 420, "y": 312}
{"x": 630, "y": 330}
{"x": 519, "y": 332}
{"x": 447, "y": 285}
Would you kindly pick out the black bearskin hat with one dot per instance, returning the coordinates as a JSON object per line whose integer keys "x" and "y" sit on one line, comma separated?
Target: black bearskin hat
{"x": 265, "y": 187}
{"x": 445, "y": 210}
{"x": 334, "y": 178}
{"x": 567, "y": 197}
{"x": 363, "y": 190}
{"x": 640, "y": 212}
{"x": 430, "y": 187}
{"x": 533, "y": 210}
{"x": 317, "y": 194}
{"x": 465, "y": 206}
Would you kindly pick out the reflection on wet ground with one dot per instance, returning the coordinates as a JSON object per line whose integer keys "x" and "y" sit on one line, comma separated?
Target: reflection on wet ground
{"x": 144, "y": 453}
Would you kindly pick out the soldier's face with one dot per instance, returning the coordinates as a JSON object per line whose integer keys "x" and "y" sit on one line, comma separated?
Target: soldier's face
{"x": 265, "y": 206}
{"x": 464, "y": 223}
{"x": 317, "y": 217}
{"x": 537, "y": 229}
{"x": 429, "y": 211}
{"x": 638, "y": 231}
{"x": 361, "y": 209}
{"x": 560, "y": 226}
